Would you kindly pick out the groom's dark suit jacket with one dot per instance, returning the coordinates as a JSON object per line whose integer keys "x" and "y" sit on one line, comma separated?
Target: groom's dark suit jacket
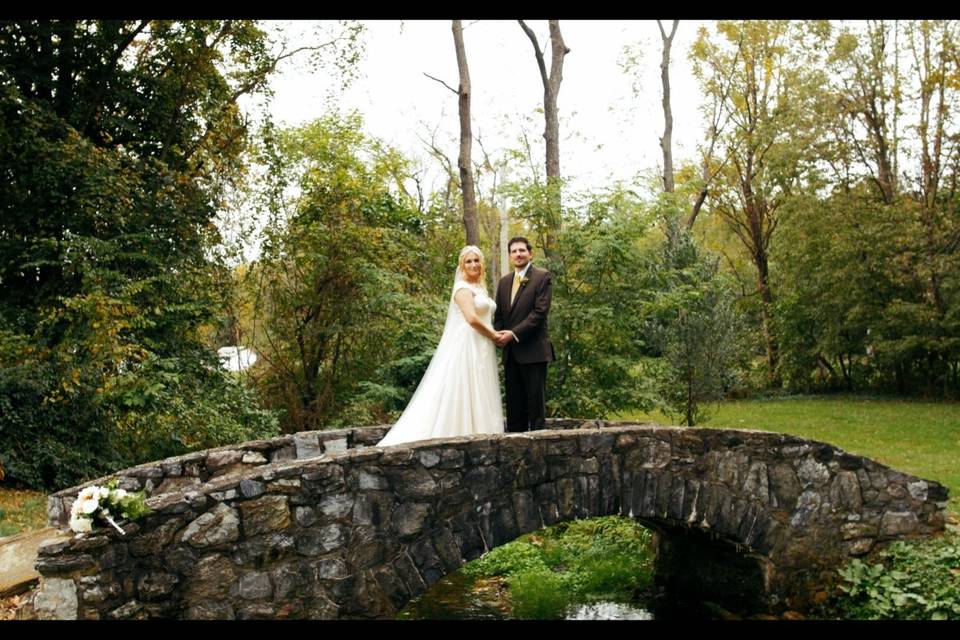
{"x": 527, "y": 317}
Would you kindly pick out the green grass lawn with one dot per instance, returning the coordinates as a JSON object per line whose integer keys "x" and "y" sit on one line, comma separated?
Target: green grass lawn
{"x": 921, "y": 438}
{"x": 21, "y": 510}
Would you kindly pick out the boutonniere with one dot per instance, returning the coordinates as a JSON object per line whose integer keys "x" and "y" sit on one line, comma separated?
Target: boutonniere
{"x": 523, "y": 281}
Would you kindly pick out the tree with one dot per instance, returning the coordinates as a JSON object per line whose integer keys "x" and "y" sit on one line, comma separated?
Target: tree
{"x": 690, "y": 324}
{"x": 466, "y": 139}
{"x": 551, "y": 131}
{"x": 772, "y": 105}
{"x": 348, "y": 302}
{"x": 117, "y": 141}
{"x": 666, "y": 142}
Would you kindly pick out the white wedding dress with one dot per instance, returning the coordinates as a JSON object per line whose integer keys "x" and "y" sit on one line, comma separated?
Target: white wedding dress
{"x": 460, "y": 391}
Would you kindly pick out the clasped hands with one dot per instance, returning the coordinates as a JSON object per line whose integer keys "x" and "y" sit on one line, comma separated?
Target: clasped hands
{"x": 501, "y": 338}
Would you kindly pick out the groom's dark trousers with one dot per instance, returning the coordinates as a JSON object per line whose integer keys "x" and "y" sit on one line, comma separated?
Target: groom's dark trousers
{"x": 526, "y": 393}
{"x": 525, "y": 360}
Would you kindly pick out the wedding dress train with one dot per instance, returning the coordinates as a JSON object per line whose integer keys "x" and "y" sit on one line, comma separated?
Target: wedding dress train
{"x": 460, "y": 391}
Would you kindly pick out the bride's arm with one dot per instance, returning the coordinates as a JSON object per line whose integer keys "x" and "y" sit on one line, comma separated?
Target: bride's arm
{"x": 464, "y": 300}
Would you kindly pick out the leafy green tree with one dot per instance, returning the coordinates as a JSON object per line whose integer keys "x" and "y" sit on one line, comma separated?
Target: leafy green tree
{"x": 691, "y": 325}
{"x": 597, "y": 263}
{"x": 353, "y": 280}
{"x": 867, "y": 266}
{"x": 117, "y": 142}
{"x": 772, "y": 98}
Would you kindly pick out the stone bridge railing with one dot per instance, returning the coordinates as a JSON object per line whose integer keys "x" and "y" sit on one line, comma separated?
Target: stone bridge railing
{"x": 280, "y": 529}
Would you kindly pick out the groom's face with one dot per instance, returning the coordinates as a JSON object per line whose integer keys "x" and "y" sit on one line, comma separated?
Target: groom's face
{"x": 519, "y": 255}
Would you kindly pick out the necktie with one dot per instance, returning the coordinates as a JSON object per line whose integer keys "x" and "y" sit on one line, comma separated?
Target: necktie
{"x": 516, "y": 287}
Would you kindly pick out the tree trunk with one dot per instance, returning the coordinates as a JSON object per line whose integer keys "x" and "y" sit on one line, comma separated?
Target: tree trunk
{"x": 470, "y": 223}
{"x": 551, "y": 131}
{"x": 666, "y": 142}
{"x": 766, "y": 297}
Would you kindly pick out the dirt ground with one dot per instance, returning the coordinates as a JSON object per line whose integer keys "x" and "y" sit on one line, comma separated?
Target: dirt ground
{"x": 10, "y": 604}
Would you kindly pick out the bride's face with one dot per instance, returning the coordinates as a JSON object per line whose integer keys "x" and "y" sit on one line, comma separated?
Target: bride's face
{"x": 471, "y": 266}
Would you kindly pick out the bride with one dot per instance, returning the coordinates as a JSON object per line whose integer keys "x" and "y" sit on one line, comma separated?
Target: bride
{"x": 460, "y": 391}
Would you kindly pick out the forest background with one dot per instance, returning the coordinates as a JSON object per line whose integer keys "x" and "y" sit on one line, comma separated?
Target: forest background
{"x": 806, "y": 242}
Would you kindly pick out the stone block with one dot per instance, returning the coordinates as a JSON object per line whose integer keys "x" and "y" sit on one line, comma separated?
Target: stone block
{"x": 219, "y": 459}
{"x": 446, "y": 547}
{"x": 290, "y": 581}
{"x": 859, "y": 547}
{"x": 154, "y": 586}
{"x": 373, "y": 508}
{"x": 320, "y": 540}
{"x": 429, "y": 458}
{"x": 365, "y": 479}
{"x": 129, "y": 611}
{"x": 333, "y": 568}
{"x": 267, "y": 514}
{"x": 898, "y": 523}
{"x": 306, "y": 445}
{"x": 216, "y": 527}
{"x": 286, "y": 486}
{"x": 757, "y": 486}
{"x": 853, "y": 530}
{"x": 917, "y": 490}
{"x": 210, "y": 610}
{"x": 255, "y": 585}
{"x": 366, "y": 550}
{"x": 503, "y": 524}
{"x": 337, "y": 506}
{"x": 811, "y": 473}
{"x": 650, "y": 453}
{"x": 335, "y": 445}
{"x": 253, "y": 458}
{"x": 808, "y": 507}
{"x": 410, "y": 577}
{"x": 566, "y": 498}
{"x": 427, "y": 561}
{"x": 65, "y": 563}
{"x": 304, "y": 516}
{"x": 252, "y": 488}
{"x": 179, "y": 559}
{"x": 409, "y": 518}
{"x": 784, "y": 486}
{"x": 525, "y": 508}
{"x": 56, "y": 600}
{"x": 210, "y": 579}
{"x": 283, "y": 453}
{"x": 177, "y": 484}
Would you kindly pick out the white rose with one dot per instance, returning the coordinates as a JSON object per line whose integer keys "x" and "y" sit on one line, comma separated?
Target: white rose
{"x": 80, "y": 525}
{"x": 118, "y": 494}
{"x": 88, "y": 501}
{"x": 104, "y": 493}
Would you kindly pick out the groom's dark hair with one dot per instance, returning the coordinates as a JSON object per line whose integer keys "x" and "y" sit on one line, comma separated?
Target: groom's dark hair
{"x": 516, "y": 239}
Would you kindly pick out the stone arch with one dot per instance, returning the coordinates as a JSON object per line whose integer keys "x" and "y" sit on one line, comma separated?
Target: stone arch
{"x": 358, "y": 532}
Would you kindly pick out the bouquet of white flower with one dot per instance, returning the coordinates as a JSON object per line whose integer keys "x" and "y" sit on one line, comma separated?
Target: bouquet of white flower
{"x": 106, "y": 503}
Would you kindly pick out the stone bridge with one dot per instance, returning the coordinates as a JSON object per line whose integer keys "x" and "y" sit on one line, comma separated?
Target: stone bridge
{"x": 323, "y": 525}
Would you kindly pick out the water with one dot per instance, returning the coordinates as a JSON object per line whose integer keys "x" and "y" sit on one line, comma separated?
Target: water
{"x": 608, "y": 611}
{"x": 458, "y": 597}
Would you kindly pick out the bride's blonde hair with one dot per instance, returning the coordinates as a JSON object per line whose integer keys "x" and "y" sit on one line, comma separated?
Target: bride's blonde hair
{"x": 461, "y": 263}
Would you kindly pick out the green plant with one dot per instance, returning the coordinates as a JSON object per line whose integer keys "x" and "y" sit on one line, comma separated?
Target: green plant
{"x": 912, "y": 581}
{"x": 606, "y": 558}
{"x": 540, "y": 594}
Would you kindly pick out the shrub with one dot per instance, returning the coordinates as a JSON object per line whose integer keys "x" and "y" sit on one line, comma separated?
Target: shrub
{"x": 912, "y": 581}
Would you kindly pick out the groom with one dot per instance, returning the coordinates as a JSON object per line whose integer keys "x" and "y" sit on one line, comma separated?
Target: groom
{"x": 523, "y": 302}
